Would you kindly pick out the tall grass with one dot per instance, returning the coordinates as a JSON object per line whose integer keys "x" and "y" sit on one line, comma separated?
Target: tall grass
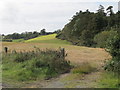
{"x": 83, "y": 68}
{"x": 32, "y": 65}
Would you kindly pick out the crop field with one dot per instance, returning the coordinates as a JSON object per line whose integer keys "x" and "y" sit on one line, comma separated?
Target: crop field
{"x": 48, "y": 39}
{"x": 75, "y": 53}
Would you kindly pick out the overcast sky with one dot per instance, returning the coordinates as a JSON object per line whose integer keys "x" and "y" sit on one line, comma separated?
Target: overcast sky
{"x": 34, "y": 15}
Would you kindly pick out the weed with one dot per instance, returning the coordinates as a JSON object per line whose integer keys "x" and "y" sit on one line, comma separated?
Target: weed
{"x": 84, "y": 68}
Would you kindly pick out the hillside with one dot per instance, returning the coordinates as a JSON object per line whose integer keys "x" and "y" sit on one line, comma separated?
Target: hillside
{"x": 48, "y": 39}
{"x": 85, "y": 26}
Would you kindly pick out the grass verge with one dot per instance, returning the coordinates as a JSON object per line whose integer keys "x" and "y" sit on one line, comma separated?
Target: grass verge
{"x": 109, "y": 80}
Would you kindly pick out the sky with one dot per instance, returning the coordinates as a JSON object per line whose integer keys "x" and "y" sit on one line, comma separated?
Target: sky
{"x": 33, "y": 15}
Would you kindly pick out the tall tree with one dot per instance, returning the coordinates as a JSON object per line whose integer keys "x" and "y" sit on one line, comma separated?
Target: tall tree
{"x": 101, "y": 10}
{"x": 43, "y": 32}
{"x": 109, "y": 10}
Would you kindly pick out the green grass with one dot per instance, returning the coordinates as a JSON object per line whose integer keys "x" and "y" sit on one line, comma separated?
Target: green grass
{"x": 109, "y": 80}
{"x": 48, "y": 39}
{"x": 18, "y": 40}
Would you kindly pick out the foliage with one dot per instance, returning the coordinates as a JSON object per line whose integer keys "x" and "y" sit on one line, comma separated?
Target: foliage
{"x": 7, "y": 40}
{"x": 113, "y": 47}
{"x": 43, "y": 32}
{"x": 101, "y": 38}
{"x": 33, "y": 65}
{"x": 84, "y": 26}
{"x": 112, "y": 65}
{"x": 26, "y": 35}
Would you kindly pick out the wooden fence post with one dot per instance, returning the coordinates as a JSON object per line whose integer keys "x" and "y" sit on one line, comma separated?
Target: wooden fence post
{"x": 62, "y": 52}
{"x": 6, "y": 49}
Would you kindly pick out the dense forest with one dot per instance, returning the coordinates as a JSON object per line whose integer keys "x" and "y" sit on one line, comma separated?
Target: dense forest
{"x": 91, "y": 29}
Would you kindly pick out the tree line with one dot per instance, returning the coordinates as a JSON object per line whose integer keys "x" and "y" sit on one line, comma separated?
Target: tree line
{"x": 25, "y": 35}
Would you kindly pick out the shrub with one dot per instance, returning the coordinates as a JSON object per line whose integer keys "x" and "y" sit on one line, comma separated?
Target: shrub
{"x": 101, "y": 38}
{"x": 113, "y": 65}
{"x": 113, "y": 47}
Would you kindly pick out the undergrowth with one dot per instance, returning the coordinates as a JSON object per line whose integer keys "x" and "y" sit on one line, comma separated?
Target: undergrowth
{"x": 32, "y": 65}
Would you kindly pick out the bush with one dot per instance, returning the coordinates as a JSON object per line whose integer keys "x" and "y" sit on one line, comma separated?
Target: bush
{"x": 113, "y": 65}
{"x": 101, "y": 38}
{"x": 113, "y": 47}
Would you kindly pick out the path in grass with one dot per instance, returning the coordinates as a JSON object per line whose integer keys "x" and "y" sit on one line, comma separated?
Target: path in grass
{"x": 69, "y": 81}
